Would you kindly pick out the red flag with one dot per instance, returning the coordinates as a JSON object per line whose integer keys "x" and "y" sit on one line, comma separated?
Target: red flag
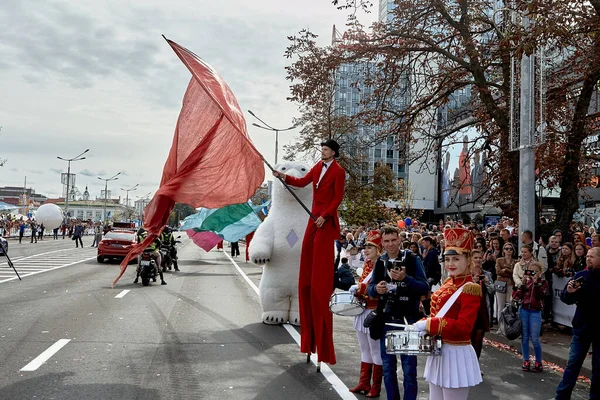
{"x": 212, "y": 162}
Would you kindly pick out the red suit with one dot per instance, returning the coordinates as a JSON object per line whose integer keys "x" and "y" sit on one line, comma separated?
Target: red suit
{"x": 315, "y": 282}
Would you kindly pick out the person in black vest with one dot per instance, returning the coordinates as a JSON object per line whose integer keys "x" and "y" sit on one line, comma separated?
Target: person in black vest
{"x": 399, "y": 280}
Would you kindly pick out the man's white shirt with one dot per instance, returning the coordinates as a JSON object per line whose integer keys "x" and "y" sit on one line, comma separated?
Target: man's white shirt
{"x": 323, "y": 170}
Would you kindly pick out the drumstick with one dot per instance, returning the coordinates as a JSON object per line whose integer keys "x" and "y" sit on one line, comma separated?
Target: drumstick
{"x": 396, "y": 325}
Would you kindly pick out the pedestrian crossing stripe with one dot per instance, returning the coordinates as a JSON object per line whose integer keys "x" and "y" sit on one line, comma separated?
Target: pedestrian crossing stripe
{"x": 44, "y": 262}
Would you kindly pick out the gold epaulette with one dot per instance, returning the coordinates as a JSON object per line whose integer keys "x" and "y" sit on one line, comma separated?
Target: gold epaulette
{"x": 472, "y": 289}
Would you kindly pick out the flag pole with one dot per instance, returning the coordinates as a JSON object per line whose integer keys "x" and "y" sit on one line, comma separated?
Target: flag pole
{"x": 290, "y": 190}
{"x": 248, "y": 141}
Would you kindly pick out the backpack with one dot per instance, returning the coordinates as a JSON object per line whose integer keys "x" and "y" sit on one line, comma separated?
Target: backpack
{"x": 510, "y": 324}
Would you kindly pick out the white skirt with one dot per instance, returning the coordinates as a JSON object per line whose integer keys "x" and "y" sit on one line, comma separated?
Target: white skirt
{"x": 457, "y": 367}
{"x": 359, "y": 320}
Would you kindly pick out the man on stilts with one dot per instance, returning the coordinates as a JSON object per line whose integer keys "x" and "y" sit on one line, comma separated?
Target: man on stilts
{"x": 315, "y": 282}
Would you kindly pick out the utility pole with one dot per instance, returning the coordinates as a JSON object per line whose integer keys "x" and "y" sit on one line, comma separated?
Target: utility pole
{"x": 127, "y": 200}
{"x": 527, "y": 142}
{"x": 68, "y": 160}
{"x": 113, "y": 178}
{"x": 270, "y": 128}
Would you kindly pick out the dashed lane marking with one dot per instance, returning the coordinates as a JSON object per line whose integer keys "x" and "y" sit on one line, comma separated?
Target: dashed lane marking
{"x": 45, "y": 356}
{"x": 122, "y": 294}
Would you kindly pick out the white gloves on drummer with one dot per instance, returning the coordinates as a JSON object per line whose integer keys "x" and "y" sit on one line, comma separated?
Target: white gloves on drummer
{"x": 353, "y": 289}
{"x": 419, "y": 326}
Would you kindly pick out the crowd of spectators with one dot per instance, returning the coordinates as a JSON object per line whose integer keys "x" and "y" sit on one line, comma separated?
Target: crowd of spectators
{"x": 560, "y": 254}
{"x": 28, "y": 228}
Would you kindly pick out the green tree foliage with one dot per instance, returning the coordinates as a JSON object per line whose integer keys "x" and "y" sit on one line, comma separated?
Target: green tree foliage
{"x": 180, "y": 211}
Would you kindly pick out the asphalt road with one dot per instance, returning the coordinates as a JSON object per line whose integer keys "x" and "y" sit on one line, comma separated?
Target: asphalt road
{"x": 199, "y": 337}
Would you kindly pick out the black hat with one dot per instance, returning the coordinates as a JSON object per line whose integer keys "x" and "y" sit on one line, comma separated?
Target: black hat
{"x": 333, "y": 145}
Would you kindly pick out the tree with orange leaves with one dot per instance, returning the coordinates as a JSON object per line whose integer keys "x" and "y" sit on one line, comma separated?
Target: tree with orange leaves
{"x": 449, "y": 46}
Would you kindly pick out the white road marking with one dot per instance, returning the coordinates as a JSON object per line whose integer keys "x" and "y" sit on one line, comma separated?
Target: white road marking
{"x": 122, "y": 294}
{"x": 39, "y": 263}
{"x": 328, "y": 374}
{"x": 45, "y": 356}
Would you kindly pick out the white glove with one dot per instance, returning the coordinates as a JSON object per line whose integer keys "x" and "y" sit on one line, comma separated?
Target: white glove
{"x": 353, "y": 289}
{"x": 421, "y": 326}
{"x": 410, "y": 328}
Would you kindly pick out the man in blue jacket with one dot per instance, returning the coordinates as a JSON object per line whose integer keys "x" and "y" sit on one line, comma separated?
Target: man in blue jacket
{"x": 584, "y": 290}
{"x": 399, "y": 281}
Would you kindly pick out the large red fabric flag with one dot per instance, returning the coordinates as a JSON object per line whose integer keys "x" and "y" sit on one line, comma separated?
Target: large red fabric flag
{"x": 212, "y": 162}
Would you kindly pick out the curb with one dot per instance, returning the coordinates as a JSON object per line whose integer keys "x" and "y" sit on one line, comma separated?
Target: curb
{"x": 548, "y": 355}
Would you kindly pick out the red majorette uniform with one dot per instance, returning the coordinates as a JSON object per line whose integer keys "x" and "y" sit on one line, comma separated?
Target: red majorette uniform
{"x": 458, "y": 366}
{"x": 370, "y": 350}
{"x": 361, "y": 291}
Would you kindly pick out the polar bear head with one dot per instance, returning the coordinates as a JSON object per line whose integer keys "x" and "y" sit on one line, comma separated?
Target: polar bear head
{"x": 297, "y": 170}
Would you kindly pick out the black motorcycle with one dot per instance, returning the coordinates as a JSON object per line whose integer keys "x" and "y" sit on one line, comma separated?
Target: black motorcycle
{"x": 166, "y": 259}
{"x": 168, "y": 254}
{"x": 147, "y": 268}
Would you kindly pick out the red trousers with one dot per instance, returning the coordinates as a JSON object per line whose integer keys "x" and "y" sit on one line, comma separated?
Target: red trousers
{"x": 315, "y": 286}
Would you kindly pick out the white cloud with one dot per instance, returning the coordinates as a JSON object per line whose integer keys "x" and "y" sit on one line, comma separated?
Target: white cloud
{"x": 98, "y": 75}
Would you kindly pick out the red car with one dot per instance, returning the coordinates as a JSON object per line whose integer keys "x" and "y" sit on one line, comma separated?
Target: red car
{"x": 116, "y": 244}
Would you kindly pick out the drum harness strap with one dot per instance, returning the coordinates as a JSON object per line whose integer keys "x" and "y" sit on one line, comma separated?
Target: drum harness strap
{"x": 449, "y": 303}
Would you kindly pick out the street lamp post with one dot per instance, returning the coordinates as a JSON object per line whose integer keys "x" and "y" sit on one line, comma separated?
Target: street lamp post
{"x": 142, "y": 211}
{"x": 112, "y": 178}
{"x": 68, "y": 160}
{"x": 270, "y": 128}
{"x": 127, "y": 200}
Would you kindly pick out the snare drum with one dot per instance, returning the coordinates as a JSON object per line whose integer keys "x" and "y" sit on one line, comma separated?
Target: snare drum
{"x": 412, "y": 344}
{"x": 346, "y": 304}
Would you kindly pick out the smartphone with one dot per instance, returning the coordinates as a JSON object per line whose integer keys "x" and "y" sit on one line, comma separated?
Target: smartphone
{"x": 578, "y": 282}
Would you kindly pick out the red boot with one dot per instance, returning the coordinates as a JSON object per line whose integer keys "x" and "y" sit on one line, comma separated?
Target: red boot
{"x": 377, "y": 376}
{"x": 364, "y": 382}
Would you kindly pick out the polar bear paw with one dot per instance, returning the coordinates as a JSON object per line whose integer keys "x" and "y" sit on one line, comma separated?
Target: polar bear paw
{"x": 260, "y": 256}
{"x": 274, "y": 317}
{"x": 294, "y": 318}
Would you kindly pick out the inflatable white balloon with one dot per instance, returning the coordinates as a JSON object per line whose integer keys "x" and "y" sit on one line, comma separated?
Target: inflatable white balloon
{"x": 50, "y": 215}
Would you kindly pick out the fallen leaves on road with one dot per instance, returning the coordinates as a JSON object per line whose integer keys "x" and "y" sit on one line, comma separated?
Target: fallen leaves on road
{"x": 547, "y": 365}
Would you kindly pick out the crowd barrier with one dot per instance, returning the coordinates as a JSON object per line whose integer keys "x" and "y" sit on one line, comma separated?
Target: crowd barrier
{"x": 563, "y": 313}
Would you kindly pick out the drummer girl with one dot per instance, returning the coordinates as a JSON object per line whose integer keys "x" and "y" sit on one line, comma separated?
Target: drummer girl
{"x": 451, "y": 374}
{"x": 370, "y": 350}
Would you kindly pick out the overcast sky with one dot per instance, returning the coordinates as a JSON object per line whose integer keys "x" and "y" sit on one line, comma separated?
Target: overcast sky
{"x": 98, "y": 75}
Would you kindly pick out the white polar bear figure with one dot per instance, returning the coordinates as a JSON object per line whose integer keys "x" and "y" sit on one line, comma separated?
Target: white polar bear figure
{"x": 277, "y": 244}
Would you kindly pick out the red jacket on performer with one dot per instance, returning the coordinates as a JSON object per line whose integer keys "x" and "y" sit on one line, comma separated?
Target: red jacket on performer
{"x": 315, "y": 278}
{"x": 456, "y": 326}
{"x": 328, "y": 195}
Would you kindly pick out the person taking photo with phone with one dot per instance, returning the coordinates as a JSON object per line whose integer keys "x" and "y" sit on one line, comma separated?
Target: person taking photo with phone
{"x": 584, "y": 291}
{"x": 530, "y": 291}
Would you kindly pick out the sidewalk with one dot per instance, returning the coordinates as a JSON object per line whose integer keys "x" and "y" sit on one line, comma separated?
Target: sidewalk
{"x": 555, "y": 347}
